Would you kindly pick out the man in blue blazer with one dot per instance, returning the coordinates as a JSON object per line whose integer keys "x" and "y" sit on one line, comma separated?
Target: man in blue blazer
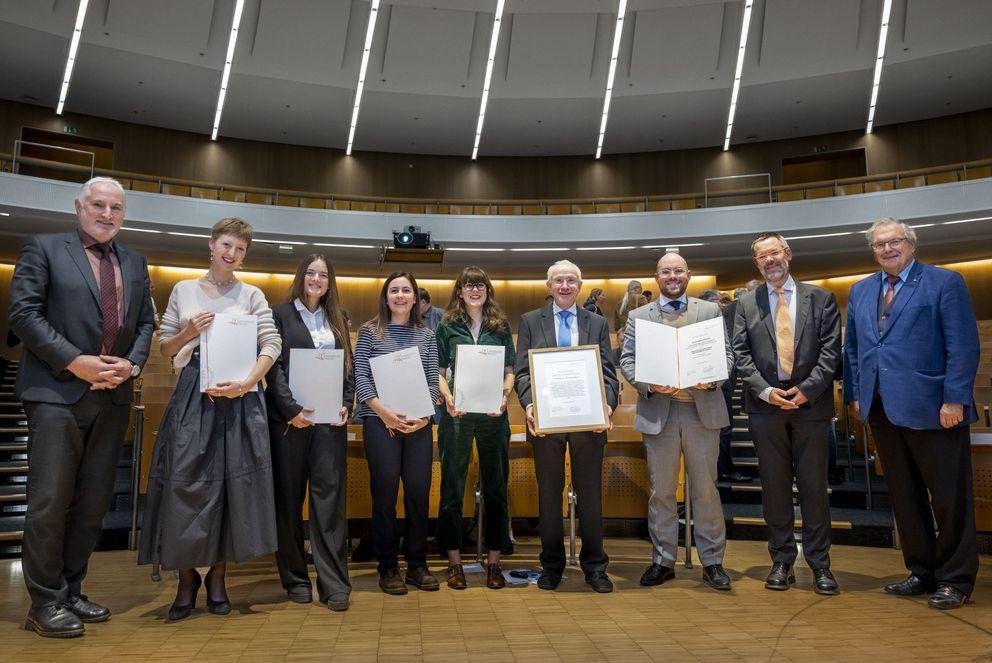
{"x": 911, "y": 353}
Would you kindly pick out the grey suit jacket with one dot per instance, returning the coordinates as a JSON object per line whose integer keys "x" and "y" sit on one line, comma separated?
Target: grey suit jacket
{"x": 817, "y": 357}
{"x": 652, "y": 408}
{"x": 55, "y": 310}
{"x": 537, "y": 330}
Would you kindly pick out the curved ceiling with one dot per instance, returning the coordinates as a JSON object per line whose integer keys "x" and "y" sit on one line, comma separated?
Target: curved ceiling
{"x": 807, "y": 71}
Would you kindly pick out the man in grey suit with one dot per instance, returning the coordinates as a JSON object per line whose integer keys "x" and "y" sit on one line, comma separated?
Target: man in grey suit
{"x": 563, "y": 324}
{"x": 679, "y": 422}
{"x": 80, "y": 303}
{"x": 787, "y": 341}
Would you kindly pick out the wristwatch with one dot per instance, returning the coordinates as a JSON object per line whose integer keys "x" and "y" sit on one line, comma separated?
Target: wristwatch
{"x": 135, "y": 369}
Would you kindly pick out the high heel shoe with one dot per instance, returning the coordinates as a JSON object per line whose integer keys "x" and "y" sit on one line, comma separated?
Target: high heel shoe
{"x": 222, "y": 607}
{"x": 179, "y": 612}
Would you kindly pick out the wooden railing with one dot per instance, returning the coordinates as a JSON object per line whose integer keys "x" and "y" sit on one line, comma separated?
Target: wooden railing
{"x": 654, "y": 203}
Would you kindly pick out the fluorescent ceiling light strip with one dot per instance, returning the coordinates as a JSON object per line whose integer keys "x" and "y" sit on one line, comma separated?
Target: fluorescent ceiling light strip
{"x": 841, "y": 234}
{"x": 4, "y": 213}
{"x": 187, "y": 234}
{"x": 466, "y": 248}
{"x": 676, "y": 246}
{"x": 280, "y": 241}
{"x": 366, "y": 50}
{"x": 493, "y": 41}
{"x": 228, "y": 60}
{"x": 346, "y": 246}
{"x": 542, "y": 248}
{"x": 70, "y": 62}
{"x": 611, "y": 76}
{"x": 883, "y": 33}
{"x": 983, "y": 218}
{"x": 738, "y": 71}
{"x": 604, "y": 248}
{"x": 143, "y": 230}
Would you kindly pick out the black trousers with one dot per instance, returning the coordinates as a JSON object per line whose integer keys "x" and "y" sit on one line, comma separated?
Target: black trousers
{"x": 406, "y": 457}
{"x": 72, "y": 454}
{"x": 317, "y": 455}
{"x": 929, "y": 477}
{"x": 586, "y": 452}
{"x": 790, "y": 446}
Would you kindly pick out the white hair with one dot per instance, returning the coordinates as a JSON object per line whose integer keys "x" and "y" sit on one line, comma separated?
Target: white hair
{"x": 564, "y": 264}
{"x": 84, "y": 190}
{"x": 890, "y": 221}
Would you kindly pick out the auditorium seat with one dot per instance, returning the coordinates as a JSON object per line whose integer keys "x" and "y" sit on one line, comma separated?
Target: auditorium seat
{"x": 509, "y": 210}
{"x": 978, "y": 173}
{"x": 632, "y": 207}
{"x": 437, "y": 209}
{"x": 175, "y": 189}
{"x": 787, "y": 196}
{"x": 258, "y": 198}
{"x": 233, "y": 196}
{"x": 362, "y": 206}
{"x": 684, "y": 203}
{"x": 819, "y": 192}
{"x": 339, "y": 204}
{"x": 534, "y": 210}
{"x": 606, "y": 208}
{"x": 585, "y": 208}
{"x": 850, "y": 189}
{"x": 204, "y": 193}
{"x": 878, "y": 185}
{"x": 312, "y": 203}
{"x": 559, "y": 209}
{"x": 911, "y": 182}
{"x": 460, "y": 209}
{"x": 146, "y": 186}
{"x": 483, "y": 209}
{"x": 942, "y": 178}
{"x": 287, "y": 201}
{"x": 412, "y": 208}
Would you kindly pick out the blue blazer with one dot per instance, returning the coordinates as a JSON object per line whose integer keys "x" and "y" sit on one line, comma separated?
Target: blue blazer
{"x": 927, "y": 356}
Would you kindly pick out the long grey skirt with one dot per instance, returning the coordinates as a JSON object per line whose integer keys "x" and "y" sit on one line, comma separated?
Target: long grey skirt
{"x": 210, "y": 496}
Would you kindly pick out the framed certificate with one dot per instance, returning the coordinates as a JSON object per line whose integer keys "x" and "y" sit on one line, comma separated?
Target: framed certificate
{"x": 315, "y": 378}
{"x": 568, "y": 390}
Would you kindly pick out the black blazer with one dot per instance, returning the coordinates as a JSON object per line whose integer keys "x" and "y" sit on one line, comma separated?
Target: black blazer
{"x": 281, "y": 405}
{"x": 818, "y": 351}
{"x": 55, "y": 310}
{"x": 537, "y": 330}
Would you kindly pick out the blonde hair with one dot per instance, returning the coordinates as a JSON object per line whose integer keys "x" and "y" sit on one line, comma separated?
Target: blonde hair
{"x": 233, "y": 226}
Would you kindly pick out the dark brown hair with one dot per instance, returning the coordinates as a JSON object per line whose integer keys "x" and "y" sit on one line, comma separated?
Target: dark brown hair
{"x": 380, "y": 320}
{"x": 329, "y": 301}
{"x": 493, "y": 317}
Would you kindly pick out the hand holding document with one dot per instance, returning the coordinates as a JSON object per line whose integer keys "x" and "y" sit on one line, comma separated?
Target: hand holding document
{"x": 316, "y": 378}
{"x": 479, "y": 378}
{"x": 401, "y": 383}
{"x": 567, "y": 385}
{"x": 680, "y": 356}
{"x": 228, "y": 349}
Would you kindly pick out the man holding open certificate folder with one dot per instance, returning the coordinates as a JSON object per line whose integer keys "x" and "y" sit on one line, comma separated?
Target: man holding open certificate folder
{"x": 680, "y": 412}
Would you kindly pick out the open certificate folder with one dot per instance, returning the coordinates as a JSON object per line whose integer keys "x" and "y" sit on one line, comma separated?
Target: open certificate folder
{"x": 680, "y": 356}
{"x": 228, "y": 349}
{"x": 316, "y": 378}
{"x": 479, "y": 378}
{"x": 401, "y": 384}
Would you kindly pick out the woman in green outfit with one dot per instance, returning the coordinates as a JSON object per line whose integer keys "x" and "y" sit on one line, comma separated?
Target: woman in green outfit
{"x": 473, "y": 318}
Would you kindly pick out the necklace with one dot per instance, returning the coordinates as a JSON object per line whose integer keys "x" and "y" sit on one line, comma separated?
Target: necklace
{"x": 220, "y": 284}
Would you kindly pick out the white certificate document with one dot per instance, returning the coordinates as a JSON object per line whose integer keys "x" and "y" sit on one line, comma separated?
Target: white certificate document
{"x": 316, "y": 378}
{"x": 228, "y": 349}
{"x": 680, "y": 356}
{"x": 567, "y": 386}
{"x": 401, "y": 383}
{"x": 479, "y": 371}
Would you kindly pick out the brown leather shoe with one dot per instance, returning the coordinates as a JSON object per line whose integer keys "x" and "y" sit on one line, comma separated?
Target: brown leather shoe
{"x": 494, "y": 576}
{"x": 421, "y": 578}
{"x": 456, "y": 577}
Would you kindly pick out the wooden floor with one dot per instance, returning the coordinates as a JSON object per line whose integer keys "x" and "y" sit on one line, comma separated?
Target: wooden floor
{"x": 681, "y": 621}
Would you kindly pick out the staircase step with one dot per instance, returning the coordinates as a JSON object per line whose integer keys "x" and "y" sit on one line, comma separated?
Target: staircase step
{"x": 798, "y": 524}
{"x": 745, "y": 462}
{"x": 16, "y": 445}
{"x": 13, "y": 467}
{"x": 14, "y": 497}
{"x": 742, "y": 444}
{"x": 756, "y": 488}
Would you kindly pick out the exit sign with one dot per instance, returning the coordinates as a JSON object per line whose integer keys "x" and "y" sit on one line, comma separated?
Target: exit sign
{"x": 820, "y": 148}
{"x": 69, "y": 129}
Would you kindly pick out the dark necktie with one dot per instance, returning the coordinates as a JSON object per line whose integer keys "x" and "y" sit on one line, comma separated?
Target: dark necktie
{"x": 890, "y": 293}
{"x": 675, "y": 304}
{"x": 108, "y": 298}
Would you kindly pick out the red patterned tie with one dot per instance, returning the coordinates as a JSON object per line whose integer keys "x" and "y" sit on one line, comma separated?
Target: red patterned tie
{"x": 890, "y": 292}
{"x": 108, "y": 299}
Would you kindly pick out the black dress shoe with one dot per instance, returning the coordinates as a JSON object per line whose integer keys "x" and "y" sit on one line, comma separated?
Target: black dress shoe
{"x": 657, "y": 574}
{"x": 179, "y": 612}
{"x": 716, "y": 577}
{"x": 549, "y": 580}
{"x": 912, "y": 586}
{"x": 300, "y": 593}
{"x": 222, "y": 607}
{"x": 87, "y": 611}
{"x": 780, "y": 577}
{"x": 824, "y": 582}
{"x": 599, "y": 582}
{"x": 735, "y": 477}
{"x": 53, "y": 621}
{"x": 947, "y": 598}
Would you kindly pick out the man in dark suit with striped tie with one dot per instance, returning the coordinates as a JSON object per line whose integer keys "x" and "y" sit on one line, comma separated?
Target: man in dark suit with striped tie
{"x": 563, "y": 324}
{"x": 80, "y": 303}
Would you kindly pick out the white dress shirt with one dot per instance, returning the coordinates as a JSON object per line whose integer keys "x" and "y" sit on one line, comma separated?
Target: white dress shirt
{"x": 316, "y": 322}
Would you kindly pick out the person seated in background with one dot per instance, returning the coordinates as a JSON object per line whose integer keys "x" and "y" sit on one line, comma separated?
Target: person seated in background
{"x": 429, "y": 314}
{"x": 595, "y": 301}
